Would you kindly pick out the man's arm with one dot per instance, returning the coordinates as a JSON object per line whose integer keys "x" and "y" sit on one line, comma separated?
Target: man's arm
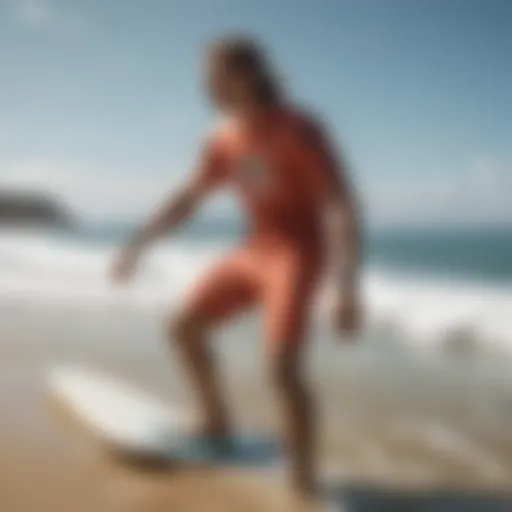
{"x": 176, "y": 210}
{"x": 344, "y": 232}
{"x": 329, "y": 177}
{"x": 345, "y": 242}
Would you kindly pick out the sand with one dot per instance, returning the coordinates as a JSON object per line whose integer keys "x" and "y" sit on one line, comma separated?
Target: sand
{"x": 393, "y": 437}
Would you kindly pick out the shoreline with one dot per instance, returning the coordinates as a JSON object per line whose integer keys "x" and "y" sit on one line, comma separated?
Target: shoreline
{"x": 391, "y": 430}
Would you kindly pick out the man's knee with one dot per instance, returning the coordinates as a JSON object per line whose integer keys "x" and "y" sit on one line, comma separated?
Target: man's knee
{"x": 286, "y": 372}
{"x": 182, "y": 326}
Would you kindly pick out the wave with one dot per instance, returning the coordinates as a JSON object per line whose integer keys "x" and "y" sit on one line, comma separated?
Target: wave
{"x": 57, "y": 271}
{"x": 425, "y": 312}
{"x": 452, "y": 314}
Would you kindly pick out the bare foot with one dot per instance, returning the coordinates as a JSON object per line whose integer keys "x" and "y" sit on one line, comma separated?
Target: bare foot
{"x": 306, "y": 492}
{"x": 303, "y": 500}
{"x": 207, "y": 430}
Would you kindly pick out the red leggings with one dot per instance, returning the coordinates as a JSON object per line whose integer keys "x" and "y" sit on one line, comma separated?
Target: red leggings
{"x": 279, "y": 278}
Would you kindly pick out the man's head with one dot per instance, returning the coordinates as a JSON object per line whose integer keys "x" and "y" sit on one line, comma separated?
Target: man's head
{"x": 239, "y": 76}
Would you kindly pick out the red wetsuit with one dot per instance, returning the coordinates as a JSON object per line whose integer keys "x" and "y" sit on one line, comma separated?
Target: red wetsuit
{"x": 283, "y": 173}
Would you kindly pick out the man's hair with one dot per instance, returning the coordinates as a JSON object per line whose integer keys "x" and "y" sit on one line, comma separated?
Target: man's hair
{"x": 245, "y": 55}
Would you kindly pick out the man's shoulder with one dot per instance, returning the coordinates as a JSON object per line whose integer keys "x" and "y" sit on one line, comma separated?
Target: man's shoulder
{"x": 221, "y": 134}
{"x": 302, "y": 115}
{"x": 224, "y": 130}
{"x": 307, "y": 124}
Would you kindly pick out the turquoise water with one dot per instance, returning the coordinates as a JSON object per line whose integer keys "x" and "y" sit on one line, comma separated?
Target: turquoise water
{"x": 477, "y": 254}
{"x": 473, "y": 254}
{"x": 433, "y": 287}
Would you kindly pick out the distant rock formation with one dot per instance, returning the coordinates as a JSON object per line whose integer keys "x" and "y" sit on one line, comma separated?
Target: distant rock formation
{"x": 33, "y": 209}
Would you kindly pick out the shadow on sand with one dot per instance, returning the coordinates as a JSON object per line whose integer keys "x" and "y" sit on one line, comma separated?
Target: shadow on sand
{"x": 365, "y": 499}
{"x": 248, "y": 451}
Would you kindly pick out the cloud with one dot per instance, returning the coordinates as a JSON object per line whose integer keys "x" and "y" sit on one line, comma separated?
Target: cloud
{"x": 97, "y": 191}
{"x": 91, "y": 189}
{"x": 479, "y": 193}
{"x": 46, "y": 15}
{"x": 4, "y": 133}
{"x": 34, "y": 13}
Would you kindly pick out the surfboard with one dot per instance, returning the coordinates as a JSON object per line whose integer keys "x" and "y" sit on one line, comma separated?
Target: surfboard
{"x": 132, "y": 422}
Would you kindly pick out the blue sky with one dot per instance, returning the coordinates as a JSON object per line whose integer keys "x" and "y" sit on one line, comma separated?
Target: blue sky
{"x": 101, "y": 99}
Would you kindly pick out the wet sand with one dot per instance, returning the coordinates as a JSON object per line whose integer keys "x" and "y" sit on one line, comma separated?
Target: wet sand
{"x": 401, "y": 436}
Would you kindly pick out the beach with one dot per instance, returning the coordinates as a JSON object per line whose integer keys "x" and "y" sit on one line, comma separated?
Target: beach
{"x": 214, "y": 124}
{"x": 407, "y": 430}
{"x": 414, "y": 413}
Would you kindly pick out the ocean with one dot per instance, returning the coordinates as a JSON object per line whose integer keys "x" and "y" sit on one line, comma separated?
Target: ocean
{"x": 421, "y": 406}
{"x": 429, "y": 288}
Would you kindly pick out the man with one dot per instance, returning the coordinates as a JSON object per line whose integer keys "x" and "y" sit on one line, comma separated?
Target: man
{"x": 302, "y": 216}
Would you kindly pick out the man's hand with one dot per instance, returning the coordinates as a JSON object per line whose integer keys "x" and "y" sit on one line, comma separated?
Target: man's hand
{"x": 346, "y": 314}
{"x": 176, "y": 209}
{"x": 124, "y": 265}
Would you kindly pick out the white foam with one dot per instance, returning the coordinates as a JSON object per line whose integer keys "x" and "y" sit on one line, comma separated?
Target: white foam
{"x": 42, "y": 268}
{"x": 440, "y": 310}
{"x": 428, "y": 313}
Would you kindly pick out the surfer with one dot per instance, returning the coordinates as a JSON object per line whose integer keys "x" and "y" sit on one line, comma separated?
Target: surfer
{"x": 303, "y": 218}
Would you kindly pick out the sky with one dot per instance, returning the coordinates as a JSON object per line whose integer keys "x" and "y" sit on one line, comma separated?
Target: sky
{"x": 101, "y": 100}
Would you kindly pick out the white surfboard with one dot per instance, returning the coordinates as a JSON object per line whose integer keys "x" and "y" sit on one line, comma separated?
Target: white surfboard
{"x": 134, "y": 422}
{"x": 118, "y": 413}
